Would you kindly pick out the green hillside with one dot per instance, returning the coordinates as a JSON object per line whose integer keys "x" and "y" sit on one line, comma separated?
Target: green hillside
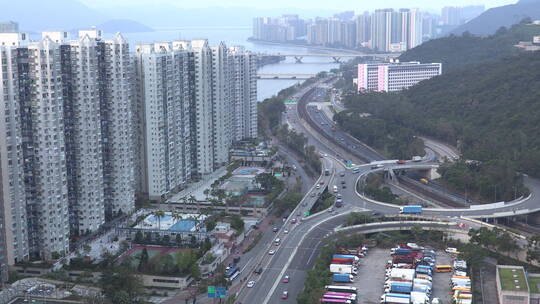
{"x": 491, "y": 111}
{"x": 459, "y": 51}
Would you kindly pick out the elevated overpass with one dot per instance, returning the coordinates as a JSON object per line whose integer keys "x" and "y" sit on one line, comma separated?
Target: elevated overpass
{"x": 285, "y": 76}
{"x": 335, "y": 56}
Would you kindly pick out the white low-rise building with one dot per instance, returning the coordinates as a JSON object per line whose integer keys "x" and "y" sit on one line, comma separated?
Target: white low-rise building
{"x": 394, "y": 76}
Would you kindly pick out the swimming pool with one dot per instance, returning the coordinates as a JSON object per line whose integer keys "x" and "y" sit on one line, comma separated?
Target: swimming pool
{"x": 183, "y": 225}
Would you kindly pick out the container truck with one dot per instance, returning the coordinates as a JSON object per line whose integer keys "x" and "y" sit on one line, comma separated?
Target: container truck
{"x": 423, "y": 270}
{"x": 395, "y": 298}
{"x": 400, "y": 287}
{"x": 342, "y": 261}
{"x": 412, "y": 209}
{"x": 346, "y": 256}
{"x": 402, "y": 274}
{"x": 400, "y": 251}
{"x": 342, "y": 278}
{"x": 424, "y": 276}
{"x": 422, "y": 282}
{"x": 419, "y": 298}
{"x": 421, "y": 288}
{"x": 341, "y": 268}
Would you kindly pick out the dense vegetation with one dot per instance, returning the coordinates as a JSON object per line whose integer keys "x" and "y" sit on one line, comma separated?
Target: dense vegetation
{"x": 461, "y": 51}
{"x": 490, "y": 111}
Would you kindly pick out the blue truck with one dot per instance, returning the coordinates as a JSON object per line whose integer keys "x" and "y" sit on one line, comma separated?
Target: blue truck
{"x": 423, "y": 270}
{"x": 342, "y": 278}
{"x": 401, "y": 251}
{"x": 401, "y": 287}
{"x": 412, "y": 209}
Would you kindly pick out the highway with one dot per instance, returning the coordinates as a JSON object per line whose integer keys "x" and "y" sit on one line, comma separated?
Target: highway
{"x": 300, "y": 247}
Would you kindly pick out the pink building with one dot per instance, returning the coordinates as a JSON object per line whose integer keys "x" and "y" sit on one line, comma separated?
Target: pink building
{"x": 394, "y": 76}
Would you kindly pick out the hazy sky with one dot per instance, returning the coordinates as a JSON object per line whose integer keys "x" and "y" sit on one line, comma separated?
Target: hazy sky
{"x": 358, "y": 5}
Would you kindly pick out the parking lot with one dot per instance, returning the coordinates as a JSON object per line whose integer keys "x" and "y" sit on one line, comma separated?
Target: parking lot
{"x": 441, "y": 280}
{"x": 371, "y": 273}
{"x": 370, "y": 279}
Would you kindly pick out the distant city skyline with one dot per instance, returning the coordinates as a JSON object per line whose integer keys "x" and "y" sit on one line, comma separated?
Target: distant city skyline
{"x": 307, "y": 4}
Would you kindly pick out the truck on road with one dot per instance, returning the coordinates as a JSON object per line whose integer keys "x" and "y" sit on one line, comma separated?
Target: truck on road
{"x": 342, "y": 278}
{"x": 342, "y": 268}
{"x": 411, "y": 209}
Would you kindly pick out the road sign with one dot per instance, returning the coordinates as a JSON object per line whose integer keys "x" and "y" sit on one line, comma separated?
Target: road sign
{"x": 289, "y": 101}
{"x": 221, "y": 292}
{"x": 306, "y": 213}
{"x": 211, "y": 291}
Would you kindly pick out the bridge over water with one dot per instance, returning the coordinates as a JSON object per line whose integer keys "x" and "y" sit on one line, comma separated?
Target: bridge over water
{"x": 336, "y": 57}
{"x": 284, "y": 76}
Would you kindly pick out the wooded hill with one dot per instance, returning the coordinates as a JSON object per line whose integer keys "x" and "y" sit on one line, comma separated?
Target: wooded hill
{"x": 460, "y": 51}
{"x": 491, "y": 111}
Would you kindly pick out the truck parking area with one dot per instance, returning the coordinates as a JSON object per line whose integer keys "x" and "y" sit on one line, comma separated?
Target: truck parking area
{"x": 371, "y": 277}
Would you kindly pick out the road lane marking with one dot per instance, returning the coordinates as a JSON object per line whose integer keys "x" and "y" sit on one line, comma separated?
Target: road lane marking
{"x": 286, "y": 266}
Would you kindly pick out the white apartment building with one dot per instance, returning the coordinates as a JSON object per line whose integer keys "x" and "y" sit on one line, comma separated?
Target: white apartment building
{"x": 222, "y": 107}
{"x": 203, "y": 120}
{"x": 83, "y": 130}
{"x": 13, "y": 227}
{"x": 394, "y": 76}
{"x": 164, "y": 99}
{"x": 46, "y": 181}
{"x": 243, "y": 88}
{"x": 118, "y": 127}
{"x": 74, "y": 99}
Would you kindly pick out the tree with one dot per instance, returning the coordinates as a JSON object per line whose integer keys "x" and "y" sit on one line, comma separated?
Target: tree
{"x": 121, "y": 285}
{"x": 139, "y": 237}
{"x": 237, "y": 223}
{"x": 159, "y": 214}
{"x": 143, "y": 260}
{"x": 266, "y": 181}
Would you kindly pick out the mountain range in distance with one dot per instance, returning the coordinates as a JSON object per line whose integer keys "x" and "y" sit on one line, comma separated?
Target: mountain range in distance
{"x": 491, "y": 20}
{"x": 63, "y": 15}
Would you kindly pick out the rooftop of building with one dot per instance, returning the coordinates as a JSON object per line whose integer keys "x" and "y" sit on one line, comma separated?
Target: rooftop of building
{"x": 513, "y": 278}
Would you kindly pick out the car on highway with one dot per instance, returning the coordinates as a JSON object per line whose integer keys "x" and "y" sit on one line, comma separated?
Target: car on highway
{"x": 275, "y": 229}
{"x": 452, "y": 250}
{"x": 285, "y": 231}
{"x": 250, "y": 284}
{"x": 318, "y": 187}
{"x": 285, "y": 279}
{"x": 259, "y": 270}
{"x": 271, "y": 252}
{"x": 342, "y": 174}
{"x": 313, "y": 194}
{"x": 293, "y": 221}
{"x": 339, "y": 195}
{"x": 344, "y": 186}
{"x": 321, "y": 183}
{"x": 285, "y": 295}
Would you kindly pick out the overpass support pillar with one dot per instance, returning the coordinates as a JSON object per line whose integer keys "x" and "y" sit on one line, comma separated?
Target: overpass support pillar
{"x": 336, "y": 59}
{"x": 298, "y": 59}
{"x": 433, "y": 174}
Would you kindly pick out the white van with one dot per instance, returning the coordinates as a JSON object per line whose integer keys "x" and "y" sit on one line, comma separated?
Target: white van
{"x": 335, "y": 189}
